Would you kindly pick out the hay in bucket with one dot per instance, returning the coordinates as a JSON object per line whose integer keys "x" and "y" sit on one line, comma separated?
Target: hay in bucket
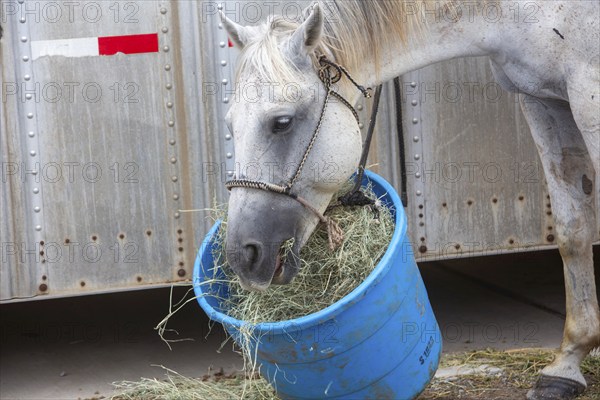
{"x": 325, "y": 276}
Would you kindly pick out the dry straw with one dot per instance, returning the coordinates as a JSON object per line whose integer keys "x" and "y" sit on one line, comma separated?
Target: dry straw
{"x": 325, "y": 277}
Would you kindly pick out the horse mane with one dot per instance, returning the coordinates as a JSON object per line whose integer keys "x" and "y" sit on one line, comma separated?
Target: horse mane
{"x": 354, "y": 30}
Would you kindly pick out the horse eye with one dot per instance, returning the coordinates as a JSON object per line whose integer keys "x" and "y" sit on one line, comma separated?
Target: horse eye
{"x": 281, "y": 124}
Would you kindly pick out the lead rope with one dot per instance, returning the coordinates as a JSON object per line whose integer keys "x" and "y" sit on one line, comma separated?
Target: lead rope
{"x": 335, "y": 234}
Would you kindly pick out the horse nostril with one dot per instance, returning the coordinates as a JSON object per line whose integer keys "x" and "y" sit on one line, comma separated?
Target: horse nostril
{"x": 252, "y": 253}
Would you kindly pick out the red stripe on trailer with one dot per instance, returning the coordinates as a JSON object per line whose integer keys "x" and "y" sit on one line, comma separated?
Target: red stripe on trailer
{"x": 128, "y": 44}
{"x": 229, "y": 43}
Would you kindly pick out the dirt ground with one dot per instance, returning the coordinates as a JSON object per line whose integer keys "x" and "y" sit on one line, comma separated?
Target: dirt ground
{"x": 519, "y": 371}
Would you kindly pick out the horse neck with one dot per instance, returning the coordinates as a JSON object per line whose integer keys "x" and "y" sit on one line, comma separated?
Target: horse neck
{"x": 440, "y": 40}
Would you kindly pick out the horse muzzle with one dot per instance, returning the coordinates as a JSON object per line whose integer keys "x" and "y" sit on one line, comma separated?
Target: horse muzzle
{"x": 258, "y": 225}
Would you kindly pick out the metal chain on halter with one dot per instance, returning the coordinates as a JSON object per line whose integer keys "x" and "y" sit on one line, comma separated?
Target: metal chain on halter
{"x": 329, "y": 73}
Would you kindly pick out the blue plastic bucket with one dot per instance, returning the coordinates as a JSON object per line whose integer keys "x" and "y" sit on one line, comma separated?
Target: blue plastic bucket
{"x": 381, "y": 341}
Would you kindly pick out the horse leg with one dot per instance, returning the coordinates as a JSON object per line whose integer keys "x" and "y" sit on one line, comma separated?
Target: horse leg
{"x": 566, "y": 161}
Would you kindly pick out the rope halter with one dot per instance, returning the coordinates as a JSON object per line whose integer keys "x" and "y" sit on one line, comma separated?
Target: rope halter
{"x": 329, "y": 73}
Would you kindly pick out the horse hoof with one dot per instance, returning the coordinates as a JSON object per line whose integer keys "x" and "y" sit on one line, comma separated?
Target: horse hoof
{"x": 555, "y": 388}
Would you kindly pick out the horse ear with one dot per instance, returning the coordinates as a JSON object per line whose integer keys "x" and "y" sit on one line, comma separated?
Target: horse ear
{"x": 237, "y": 33}
{"x": 307, "y": 36}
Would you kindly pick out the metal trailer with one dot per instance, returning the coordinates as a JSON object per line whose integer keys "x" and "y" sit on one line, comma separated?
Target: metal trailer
{"x": 109, "y": 162}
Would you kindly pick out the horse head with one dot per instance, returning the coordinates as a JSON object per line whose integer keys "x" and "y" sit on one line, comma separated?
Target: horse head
{"x": 284, "y": 136}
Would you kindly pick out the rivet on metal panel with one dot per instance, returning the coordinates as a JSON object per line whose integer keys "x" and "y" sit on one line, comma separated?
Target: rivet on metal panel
{"x": 511, "y": 241}
{"x": 172, "y": 142}
{"x": 173, "y": 160}
{"x": 230, "y": 173}
{"x": 167, "y": 67}
{"x": 421, "y": 215}
{"x": 30, "y": 115}
{"x": 181, "y": 272}
{"x": 43, "y": 287}
{"x": 34, "y": 172}
{"x": 220, "y": 26}
{"x": 82, "y": 283}
{"x": 163, "y": 10}
{"x": 229, "y": 155}
{"x": 422, "y": 239}
{"x": 166, "y": 49}
{"x": 223, "y": 63}
{"x": 44, "y": 277}
{"x": 180, "y": 240}
{"x": 179, "y": 231}
{"x": 169, "y": 104}
{"x": 148, "y": 232}
{"x": 457, "y": 246}
{"x": 414, "y": 102}
{"x": 164, "y": 29}
{"x": 417, "y": 174}
{"x": 220, "y": 7}
{"x": 169, "y": 86}
{"x": 28, "y": 96}
{"x": 176, "y": 215}
{"x": 139, "y": 279}
{"x": 470, "y": 202}
{"x": 175, "y": 197}
{"x": 171, "y": 123}
{"x": 548, "y": 205}
{"x": 222, "y": 44}
{"x": 521, "y": 198}
{"x": 31, "y": 134}
{"x": 423, "y": 249}
{"x": 174, "y": 178}
{"x": 413, "y": 84}
{"x": 94, "y": 238}
{"x": 224, "y": 81}
{"x": 32, "y": 153}
{"x": 416, "y": 139}
{"x": 67, "y": 240}
{"x": 180, "y": 249}
{"x": 181, "y": 263}
{"x": 419, "y": 193}
{"x": 36, "y": 190}
{"x": 420, "y": 206}
{"x": 27, "y": 77}
{"x": 38, "y": 228}
{"x": 444, "y": 205}
{"x": 25, "y": 58}
{"x": 417, "y": 156}
{"x": 121, "y": 236}
{"x": 421, "y": 223}
{"x": 549, "y": 228}
{"x": 42, "y": 242}
{"x": 37, "y": 209}
{"x": 23, "y": 39}
{"x": 415, "y": 120}
{"x": 550, "y": 238}
{"x": 226, "y": 100}
{"x": 228, "y": 136}
{"x": 359, "y": 107}
{"x": 494, "y": 200}
{"x": 22, "y": 20}
{"x": 361, "y": 125}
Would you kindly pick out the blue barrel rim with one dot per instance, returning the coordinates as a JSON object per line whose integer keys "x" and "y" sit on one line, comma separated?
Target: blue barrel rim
{"x": 292, "y": 325}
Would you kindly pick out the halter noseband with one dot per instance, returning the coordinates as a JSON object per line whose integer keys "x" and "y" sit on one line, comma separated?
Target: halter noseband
{"x": 329, "y": 73}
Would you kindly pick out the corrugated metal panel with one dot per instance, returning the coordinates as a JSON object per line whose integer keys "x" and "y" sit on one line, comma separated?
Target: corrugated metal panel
{"x": 156, "y": 137}
{"x": 120, "y": 144}
{"x": 476, "y": 183}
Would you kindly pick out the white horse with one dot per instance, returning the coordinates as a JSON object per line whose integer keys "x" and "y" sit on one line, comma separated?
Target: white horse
{"x": 548, "y": 51}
